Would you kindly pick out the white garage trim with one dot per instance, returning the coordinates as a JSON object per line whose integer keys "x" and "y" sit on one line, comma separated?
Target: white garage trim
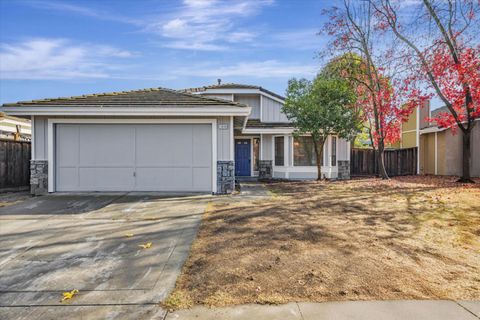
{"x": 51, "y": 139}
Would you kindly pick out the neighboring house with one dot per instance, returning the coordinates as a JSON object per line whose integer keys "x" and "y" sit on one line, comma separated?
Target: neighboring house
{"x": 264, "y": 143}
{"x": 440, "y": 151}
{"x": 409, "y": 130}
{"x": 13, "y": 128}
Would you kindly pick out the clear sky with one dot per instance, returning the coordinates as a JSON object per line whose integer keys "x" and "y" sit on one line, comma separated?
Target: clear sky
{"x": 53, "y": 48}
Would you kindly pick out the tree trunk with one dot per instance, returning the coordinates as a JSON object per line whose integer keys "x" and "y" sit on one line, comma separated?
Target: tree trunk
{"x": 318, "y": 146}
{"x": 466, "y": 135}
{"x": 381, "y": 164}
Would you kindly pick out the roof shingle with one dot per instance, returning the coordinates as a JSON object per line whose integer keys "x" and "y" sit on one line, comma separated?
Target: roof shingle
{"x": 143, "y": 97}
{"x": 256, "y": 123}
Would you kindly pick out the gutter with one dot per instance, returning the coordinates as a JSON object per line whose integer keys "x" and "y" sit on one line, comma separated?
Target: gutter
{"x": 126, "y": 111}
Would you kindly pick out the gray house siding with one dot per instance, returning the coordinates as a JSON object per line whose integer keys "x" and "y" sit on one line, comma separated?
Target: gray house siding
{"x": 224, "y": 139}
{"x": 40, "y": 139}
{"x": 251, "y": 101}
{"x": 266, "y": 147}
{"x": 454, "y": 154}
{"x": 272, "y": 111}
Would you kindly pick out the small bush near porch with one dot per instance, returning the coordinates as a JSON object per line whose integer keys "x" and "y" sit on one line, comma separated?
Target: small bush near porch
{"x": 408, "y": 238}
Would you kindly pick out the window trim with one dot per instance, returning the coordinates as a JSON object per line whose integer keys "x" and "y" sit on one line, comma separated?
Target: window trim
{"x": 252, "y": 172}
{"x": 273, "y": 151}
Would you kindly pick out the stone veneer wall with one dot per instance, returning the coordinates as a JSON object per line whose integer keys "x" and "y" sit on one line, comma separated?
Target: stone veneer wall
{"x": 343, "y": 169}
{"x": 225, "y": 177}
{"x": 38, "y": 177}
{"x": 265, "y": 169}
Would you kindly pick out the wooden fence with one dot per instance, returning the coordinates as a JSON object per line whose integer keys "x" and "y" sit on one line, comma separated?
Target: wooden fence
{"x": 398, "y": 162}
{"x": 14, "y": 164}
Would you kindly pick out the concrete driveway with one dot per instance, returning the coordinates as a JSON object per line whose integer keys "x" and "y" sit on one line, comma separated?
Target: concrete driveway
{"x": 58, "y": 243}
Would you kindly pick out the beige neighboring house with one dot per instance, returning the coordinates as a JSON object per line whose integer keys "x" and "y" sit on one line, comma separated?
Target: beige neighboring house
{"x": 13, "y": 128}
{"x": 440, "y": 151}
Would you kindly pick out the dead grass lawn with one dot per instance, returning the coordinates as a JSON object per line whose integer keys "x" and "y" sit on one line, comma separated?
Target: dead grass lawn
{"x": 408, "y": 238}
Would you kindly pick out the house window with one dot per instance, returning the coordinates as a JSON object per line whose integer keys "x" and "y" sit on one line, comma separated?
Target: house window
{"x": 304, "y": 152}
{"x": 279, "y": 151}
{"x": 334, "y": 151}
{"x": 256, "y": 154}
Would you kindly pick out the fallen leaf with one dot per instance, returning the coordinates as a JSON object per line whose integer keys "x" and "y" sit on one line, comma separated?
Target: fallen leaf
{"x": 146, "y": 245}
{"x": 129, "y": 235}
{"x": 69, "y": 294}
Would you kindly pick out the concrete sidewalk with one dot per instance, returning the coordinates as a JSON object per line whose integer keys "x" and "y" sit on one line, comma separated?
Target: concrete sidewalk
{"x": 347, "y": 310}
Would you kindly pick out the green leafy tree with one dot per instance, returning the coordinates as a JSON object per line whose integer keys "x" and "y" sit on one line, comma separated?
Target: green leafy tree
{"x": 321, "y": 108}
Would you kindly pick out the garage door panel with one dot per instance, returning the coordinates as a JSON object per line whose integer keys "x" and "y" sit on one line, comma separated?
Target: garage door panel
{"x": 164, "y": 145}
{"x": 67, "y": 179}
{"x": 68, "y": 144}
{"x": 106, "y": 179}
{"x": 202, "y": 146}
{"x": 113, "y": 145}
{"x": 153, "y": 146}
{"x": 164, "y": 179}
{"x": 142, "y": 157}
{"x": 182, "y": 149}
{"x": 202, "y": 178}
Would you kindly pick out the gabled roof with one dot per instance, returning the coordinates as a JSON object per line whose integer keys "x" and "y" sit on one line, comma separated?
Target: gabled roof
{"x": 234, "y": 86}
{"x": 436, "y": 112}
{"x": 152, "y": 97}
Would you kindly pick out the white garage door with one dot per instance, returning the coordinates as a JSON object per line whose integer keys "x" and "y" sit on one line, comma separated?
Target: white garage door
{"x": 133, "y": 157}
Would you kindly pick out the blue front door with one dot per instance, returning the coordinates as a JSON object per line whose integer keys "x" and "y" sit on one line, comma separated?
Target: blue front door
{"x": 242, "y": 157}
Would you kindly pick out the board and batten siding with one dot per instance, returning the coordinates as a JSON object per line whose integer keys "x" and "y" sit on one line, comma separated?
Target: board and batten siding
{"x": 266, "y": 147}
{"x": 251, "y": 101}
{"x": 40, "y": 140}
{"x": 224, "y": 138}
{"x": 272, "y": 111}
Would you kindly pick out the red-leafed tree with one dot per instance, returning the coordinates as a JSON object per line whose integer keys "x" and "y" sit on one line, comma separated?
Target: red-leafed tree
{"x": 354, "y": 32}
{"x": 446, "y": 56}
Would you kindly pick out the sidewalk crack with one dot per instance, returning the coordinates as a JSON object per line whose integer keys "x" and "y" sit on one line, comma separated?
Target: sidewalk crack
{"x": 300, "y": 311}
{"x": 466, "y": 309}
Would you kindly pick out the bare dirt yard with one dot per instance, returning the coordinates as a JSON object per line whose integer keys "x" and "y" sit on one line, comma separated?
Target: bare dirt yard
{"x": 364, "y": 239}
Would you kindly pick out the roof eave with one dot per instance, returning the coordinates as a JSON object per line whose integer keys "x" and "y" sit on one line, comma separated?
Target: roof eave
{"x": 125, "y": 111}
{"x": 268, "y": 130}
{"x": 240, "y": 91}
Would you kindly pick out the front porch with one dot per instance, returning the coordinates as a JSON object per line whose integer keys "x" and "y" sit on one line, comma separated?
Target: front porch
{"x": 283, "y": 156}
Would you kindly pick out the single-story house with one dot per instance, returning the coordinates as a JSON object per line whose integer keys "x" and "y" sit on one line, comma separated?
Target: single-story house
{"x": 159, "y": 139}
{"x": 13, "y": 128}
